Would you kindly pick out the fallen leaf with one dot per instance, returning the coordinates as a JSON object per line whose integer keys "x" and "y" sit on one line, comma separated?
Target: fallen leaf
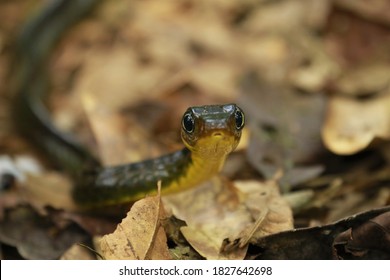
{"x": 93, "y": 224}
{"x": 208, "y": 241}
{"x": 352, "y": 124}
{"x": 217, "y": 211}
{"x": 215, "y": 76}
{"x": 364, "y": 79}
{"x": 313, "y": 75}
{"x": 140, "y": 235}
{"x": 35, "y": 236}
{"x": 314, "y": 242}
{"x": 371, "y": 235}
{"x": 270, "y": 212}
{"x": 117, "y": 143}
{"x": 49, "y": 189}
{"x": 107, "y": 74}
{"x": 211, "y": 212}
{"x": 279, "y": 138}
{"x": 356, "y": 202}
{"x": 295, "y": 15}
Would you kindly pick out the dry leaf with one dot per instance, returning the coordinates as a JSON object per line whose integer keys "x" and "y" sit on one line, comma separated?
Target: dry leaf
{"x": 374, "y": 234}
{"x": 217, "y": 211}
{"x": 319, "y": 242}
{"x": 352, "y": 124}
{"x": 117, "y": 144}
{"x": 271, "y": 212}
{"x": 364, "y": 79}
{"x": 37, "y": 237}
{"x": 49, "y": 189}
{"x": 208, "y": 241}
{"x": 107, "y": 75}
{"x": 140, "y": 235}
{"x": 295, "y": 14}
{"x": 319, "y": 68}
{"x": 280, "y": 138}
{"x": 212, "y": 213}
{"x": 215, "y": 76}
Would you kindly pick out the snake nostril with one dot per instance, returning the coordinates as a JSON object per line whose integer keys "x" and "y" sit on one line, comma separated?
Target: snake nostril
{"x": 217, "y": 134}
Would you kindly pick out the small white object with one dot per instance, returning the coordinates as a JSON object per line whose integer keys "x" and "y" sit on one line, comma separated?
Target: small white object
{"x": 19, "y": 166}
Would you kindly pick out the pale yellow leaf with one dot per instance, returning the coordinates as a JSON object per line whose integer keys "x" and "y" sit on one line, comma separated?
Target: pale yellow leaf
{"x": 219, "y": 211}
{"x": 352, "y": 124}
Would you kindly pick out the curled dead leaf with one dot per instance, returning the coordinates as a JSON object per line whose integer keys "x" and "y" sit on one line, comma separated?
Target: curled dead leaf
{"x": 140, "y": 235}
{"x": 371, "y": 235}
{"x": 352, "y": 124}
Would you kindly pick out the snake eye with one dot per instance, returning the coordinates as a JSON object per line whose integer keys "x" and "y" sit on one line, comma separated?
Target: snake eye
{"x": 188, "y": 123}
{"x": 239, "y": 118}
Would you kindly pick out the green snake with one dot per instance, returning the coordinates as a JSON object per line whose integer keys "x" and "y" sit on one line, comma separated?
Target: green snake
{"x": 209, "y": 132}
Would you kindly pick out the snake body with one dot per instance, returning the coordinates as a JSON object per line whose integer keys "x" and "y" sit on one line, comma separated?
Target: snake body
{"x": 209, "y": 132}
{"x": 33, "y": 48}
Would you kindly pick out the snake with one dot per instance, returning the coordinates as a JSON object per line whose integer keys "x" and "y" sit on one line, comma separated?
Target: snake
{"x": 209, "y": 132}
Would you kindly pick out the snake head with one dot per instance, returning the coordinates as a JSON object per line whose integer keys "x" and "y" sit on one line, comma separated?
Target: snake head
{"x": 212, "y": 130}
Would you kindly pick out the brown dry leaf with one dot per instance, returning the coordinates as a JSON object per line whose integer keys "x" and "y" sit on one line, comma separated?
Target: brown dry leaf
{"x": 52, "y": 189}
{"x": 110, "y": 128}
{"x": 280, "y": 138}
{"x": 268, "y": 209}
{"x": 320, "y": 67}
{"x": 374, "y": 234}
{"x": 109, "y": 73}
{"x": 49, "y": 189}
{"x": 295, "y": 14}
{"x": 217, "y": 211}
{"x": 356, "y": 202}
{"x": 140, "y": 235}
{"x": 352, "y": 124}
{"x": 212, "y": 213}
{"x": 37, "y": 237}
{"x": 8, "y": 200}
{"x": 208, "y": 241}
{"x": 269, "y": 53}
{"x": 108, "y": 76}
{"x": 217, "y": 77}
{"x": 319, "y": 242}
{"x": 364, "y": 79}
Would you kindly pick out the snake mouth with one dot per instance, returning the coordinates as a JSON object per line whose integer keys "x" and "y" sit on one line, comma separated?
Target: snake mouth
{"x": 217, "y": 144}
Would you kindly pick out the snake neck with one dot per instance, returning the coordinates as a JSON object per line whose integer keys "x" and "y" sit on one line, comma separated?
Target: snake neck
{"x": 199, "y": 170}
